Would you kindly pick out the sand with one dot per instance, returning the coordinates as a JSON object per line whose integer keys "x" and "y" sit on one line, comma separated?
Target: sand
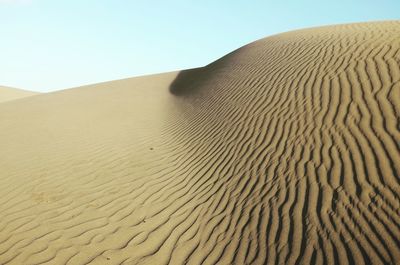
{"x": 285, "y": 151}
{"x": 9, "y": 94}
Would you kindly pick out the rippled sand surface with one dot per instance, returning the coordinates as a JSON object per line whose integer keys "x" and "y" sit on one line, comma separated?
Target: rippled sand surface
{"x": 285, "y": 151}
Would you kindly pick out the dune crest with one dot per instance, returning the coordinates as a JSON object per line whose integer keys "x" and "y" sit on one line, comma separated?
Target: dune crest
{"x": 9, "y": 94}
{"x": 285, "y": 151}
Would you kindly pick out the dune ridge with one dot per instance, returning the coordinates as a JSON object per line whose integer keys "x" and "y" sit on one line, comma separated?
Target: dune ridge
{"x": 9, "y": 94}
{"x": 285, "y": 151}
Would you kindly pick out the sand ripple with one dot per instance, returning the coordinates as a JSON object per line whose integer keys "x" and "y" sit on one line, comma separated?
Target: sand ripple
{"x": 286, "y": 151}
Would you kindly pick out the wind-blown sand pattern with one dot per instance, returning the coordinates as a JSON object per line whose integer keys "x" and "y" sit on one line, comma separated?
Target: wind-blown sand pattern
{"x": 8, "y": 93}
{"x": 286, "y": 151}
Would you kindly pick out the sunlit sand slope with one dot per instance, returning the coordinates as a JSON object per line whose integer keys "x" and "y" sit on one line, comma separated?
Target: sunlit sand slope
{"x": 286, "y": 151}
{"x": 8, "y": 93}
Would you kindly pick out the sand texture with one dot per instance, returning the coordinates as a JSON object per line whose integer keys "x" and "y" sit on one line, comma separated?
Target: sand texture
{"x": 285, "y": 151}
{"x": 8, "y": 93}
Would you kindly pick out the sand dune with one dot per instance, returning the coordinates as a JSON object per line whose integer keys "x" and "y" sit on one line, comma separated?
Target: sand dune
{"x": 285, "y": 151}
{"x": 8, "y": 93}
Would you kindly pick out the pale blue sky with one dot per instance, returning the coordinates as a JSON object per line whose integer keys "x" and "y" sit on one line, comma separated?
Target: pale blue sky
{"x": 47, "y": 45}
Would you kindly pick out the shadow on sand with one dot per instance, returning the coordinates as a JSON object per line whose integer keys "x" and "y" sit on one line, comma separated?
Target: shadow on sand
{"x": 188, "y": 81}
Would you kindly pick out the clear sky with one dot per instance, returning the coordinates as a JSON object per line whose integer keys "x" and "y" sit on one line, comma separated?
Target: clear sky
{"x": 46, "y": 45}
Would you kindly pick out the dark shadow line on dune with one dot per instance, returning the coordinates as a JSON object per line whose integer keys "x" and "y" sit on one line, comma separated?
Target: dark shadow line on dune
{"x": 189, "y": 81}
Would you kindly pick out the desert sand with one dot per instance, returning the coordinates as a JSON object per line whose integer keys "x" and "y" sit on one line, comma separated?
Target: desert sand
{"x": 285, "y": 151}
{"x": 9, "y": 94}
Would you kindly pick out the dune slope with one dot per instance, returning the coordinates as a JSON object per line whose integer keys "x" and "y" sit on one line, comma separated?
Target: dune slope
{"x": 286, "y": 151}
{"x": 8, "y": 93}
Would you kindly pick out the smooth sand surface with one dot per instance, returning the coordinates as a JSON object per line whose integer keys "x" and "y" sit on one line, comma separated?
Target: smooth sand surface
{"x": 285, "y": 151}
{"x": 8, "y": 93}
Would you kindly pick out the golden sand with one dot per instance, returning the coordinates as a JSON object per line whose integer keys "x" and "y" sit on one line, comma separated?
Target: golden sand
{"x": 9, "y": 94}
{"x": 285, "y": 151}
